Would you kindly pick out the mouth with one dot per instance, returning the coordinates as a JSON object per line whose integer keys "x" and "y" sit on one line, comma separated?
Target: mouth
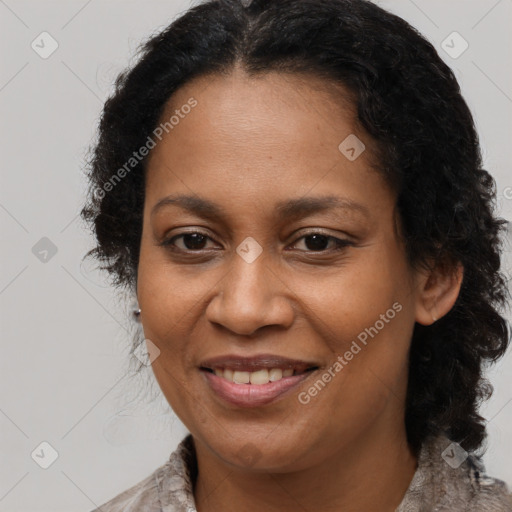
{"x": 256, "y": 377}
{"x": 257, "y": 370}
{"x": 255, "y": 381}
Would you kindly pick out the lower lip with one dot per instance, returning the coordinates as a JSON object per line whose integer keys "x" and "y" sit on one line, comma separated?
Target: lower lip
{"x": 252, "y": 395}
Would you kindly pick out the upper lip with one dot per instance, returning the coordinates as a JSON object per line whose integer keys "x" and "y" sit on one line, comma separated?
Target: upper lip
{"x": 255, "y": 363}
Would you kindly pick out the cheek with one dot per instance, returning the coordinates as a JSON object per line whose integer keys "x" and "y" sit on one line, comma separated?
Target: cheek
{"x": 168, "y": 294}
{"x": 365, "y": 318}
{"x": 368, "y": 367}
{"x": 165, "y": 301}
{"x": 350, "y": 300}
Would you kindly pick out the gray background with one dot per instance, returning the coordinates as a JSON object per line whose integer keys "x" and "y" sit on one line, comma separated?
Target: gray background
{"x": 65, "y": 377}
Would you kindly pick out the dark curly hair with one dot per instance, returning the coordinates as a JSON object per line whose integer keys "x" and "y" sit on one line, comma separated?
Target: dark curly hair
{"x": 408, "y": 100}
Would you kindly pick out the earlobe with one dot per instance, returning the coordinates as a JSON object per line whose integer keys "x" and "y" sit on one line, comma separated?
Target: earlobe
{"x": 437, "y": 292}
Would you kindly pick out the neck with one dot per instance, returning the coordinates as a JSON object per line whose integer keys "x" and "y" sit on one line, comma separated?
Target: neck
{"x": 370, "y": 473}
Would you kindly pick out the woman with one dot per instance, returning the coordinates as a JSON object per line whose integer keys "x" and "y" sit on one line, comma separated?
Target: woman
{"x": 293, "y": 191}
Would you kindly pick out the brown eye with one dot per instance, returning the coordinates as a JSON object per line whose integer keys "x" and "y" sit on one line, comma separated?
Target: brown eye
{"x": 193, "y": 241}
{"x": 319, "y": 242}
{"x": 316, "y": 242}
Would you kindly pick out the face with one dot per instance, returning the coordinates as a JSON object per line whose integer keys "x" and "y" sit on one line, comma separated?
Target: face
{"x": 286, "y": 249}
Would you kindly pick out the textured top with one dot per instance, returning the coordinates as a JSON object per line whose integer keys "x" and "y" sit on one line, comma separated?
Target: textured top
{"x": 446, "y": 479}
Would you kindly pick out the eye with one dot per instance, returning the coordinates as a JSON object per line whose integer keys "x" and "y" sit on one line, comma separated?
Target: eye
{"x": 319, "y": 242}
{"x": 193, "y": 241}
{"x": 196, "y": 241}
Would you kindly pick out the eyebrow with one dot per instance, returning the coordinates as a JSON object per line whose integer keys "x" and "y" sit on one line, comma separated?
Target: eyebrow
{"x": 300, "y": 207}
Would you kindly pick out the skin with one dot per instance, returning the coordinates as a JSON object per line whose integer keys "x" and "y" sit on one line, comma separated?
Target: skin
{"x": 249, "y": 144}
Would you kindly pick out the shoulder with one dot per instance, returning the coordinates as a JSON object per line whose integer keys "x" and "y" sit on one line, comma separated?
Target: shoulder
{"x": 141, "y": 497}
{"x": 168, "y": 488}
{"x": 487, "y": 493}
{"x": 450, "y": 479}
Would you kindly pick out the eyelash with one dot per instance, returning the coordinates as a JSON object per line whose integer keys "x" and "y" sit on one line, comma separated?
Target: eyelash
{"x": 340, "y": 243}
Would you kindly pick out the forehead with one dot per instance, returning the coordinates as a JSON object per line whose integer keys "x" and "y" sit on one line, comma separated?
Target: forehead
{"x": 253, "y": 136}
{"x": 265, "y": 106}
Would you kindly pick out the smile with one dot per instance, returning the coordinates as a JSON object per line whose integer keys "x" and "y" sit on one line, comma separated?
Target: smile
{"x": 259, "y": 377}
{"x": 256, "y": 380}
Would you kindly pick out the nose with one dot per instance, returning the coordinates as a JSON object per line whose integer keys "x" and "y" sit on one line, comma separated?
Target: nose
{"x": 249, "y": 297}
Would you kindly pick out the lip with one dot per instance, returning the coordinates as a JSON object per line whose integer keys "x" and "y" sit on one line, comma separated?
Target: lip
{"x": 253, "y": 395}
{"x": 258, "y": 362}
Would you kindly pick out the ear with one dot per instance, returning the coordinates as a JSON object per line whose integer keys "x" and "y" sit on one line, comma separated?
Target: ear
{"x": 437, "y": 290}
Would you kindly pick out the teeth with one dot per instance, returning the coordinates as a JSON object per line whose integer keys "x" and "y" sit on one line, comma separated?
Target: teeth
{"x": 275, "y": 374}
{"x": 241, "y": 377}
{"x": 258, "y": 377}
